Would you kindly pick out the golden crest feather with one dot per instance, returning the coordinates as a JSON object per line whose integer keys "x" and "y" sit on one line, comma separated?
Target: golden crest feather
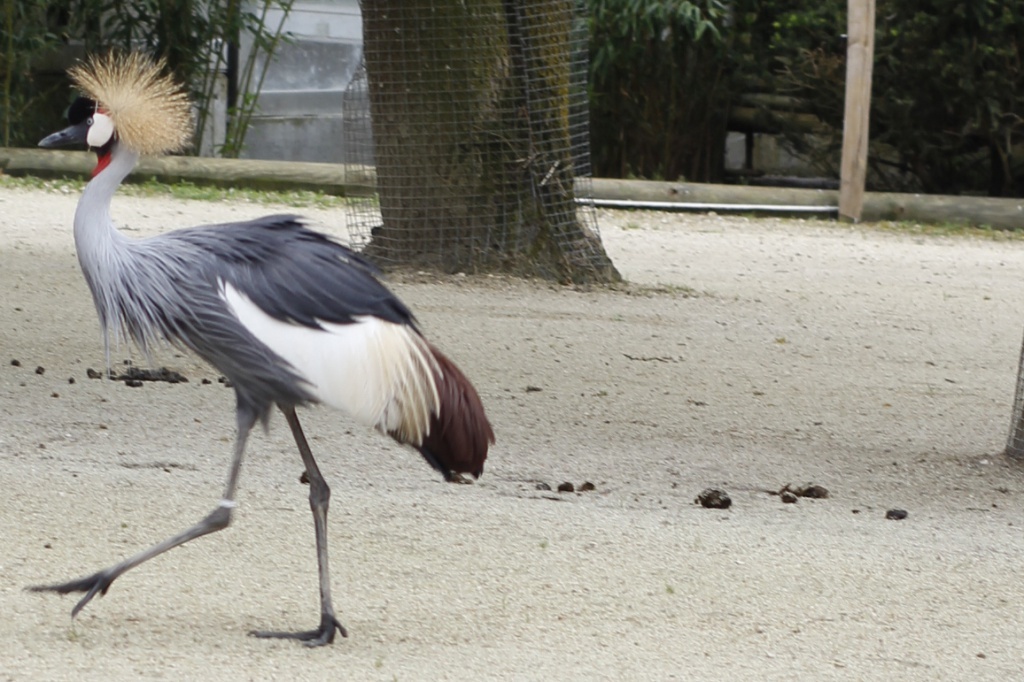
{"x": 152, "y": 113}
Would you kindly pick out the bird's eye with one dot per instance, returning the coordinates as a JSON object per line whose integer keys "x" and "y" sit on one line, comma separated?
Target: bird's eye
{"x": 88, "y": 121}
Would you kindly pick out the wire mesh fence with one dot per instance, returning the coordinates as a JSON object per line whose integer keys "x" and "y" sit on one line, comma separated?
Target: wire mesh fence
{"x": 478, "y": 148}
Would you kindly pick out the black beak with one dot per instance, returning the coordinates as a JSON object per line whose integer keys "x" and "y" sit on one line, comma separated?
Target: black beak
{"x": 75, "y": 134}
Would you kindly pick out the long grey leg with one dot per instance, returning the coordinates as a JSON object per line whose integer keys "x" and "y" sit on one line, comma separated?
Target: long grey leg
{"x": 319, "y": 500}
{"x": 218, "y": 519}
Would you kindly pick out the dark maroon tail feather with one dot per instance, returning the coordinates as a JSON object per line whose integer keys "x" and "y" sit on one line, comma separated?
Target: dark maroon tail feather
{"x": 460, "y": 433}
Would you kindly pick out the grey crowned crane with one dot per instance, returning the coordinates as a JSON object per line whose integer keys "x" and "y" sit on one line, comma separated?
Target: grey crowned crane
{"x": 287, "y": 315}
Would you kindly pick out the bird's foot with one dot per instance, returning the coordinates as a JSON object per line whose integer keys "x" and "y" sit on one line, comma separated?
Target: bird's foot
{"x": 329, "y": 626}
{"x": 97, "y": 583}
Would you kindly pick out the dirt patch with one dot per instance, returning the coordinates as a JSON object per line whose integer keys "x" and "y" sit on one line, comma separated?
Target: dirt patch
{"x": 745, "y": 353}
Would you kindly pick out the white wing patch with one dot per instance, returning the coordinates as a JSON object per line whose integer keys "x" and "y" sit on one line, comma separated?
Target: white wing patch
{"x": 380, "y": 373}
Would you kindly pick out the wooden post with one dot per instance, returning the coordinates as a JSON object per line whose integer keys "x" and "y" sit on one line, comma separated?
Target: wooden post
{"x": 1015, "y": 442}
{"x": 860, "y": 51}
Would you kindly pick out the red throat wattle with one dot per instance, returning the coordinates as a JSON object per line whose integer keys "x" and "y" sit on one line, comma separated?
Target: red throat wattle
{"x": 102, "y": 161}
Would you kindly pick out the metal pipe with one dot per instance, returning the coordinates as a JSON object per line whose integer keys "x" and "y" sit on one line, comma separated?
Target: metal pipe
{"x": 701, "y": 206}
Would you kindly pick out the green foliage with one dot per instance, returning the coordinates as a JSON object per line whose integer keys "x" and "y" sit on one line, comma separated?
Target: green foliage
{"x": 948, "y": 91}
{"x": 192, "y": 35}
{"x": 265, "y": 41}
{"x": 938, "y": 107}
{"x": 25, "y": 31}
{"x": 658, "y": 88}
{"x": 948, "y": 98}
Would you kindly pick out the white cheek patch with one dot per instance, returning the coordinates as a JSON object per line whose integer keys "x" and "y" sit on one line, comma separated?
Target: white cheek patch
{"x": 101, "y": 130}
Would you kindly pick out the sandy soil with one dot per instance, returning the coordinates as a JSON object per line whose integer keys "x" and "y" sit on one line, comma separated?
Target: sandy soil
{"x": 750, "y": 354}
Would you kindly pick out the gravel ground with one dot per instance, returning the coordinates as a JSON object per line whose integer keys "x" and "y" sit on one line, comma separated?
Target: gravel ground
{"x": 746, "y": 354}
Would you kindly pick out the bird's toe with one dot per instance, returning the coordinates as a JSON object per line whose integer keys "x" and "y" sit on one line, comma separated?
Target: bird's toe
{"x": 325, "y": 634}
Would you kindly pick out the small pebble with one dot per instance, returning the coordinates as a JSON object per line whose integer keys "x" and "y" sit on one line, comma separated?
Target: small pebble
{"x": 814, "y": 491}
{"x": 808, "y": 490}
{"x": 587, "y": 487}
{"x": 896, "y": 514}
{"x": 543, "y": 486}
{"x": 16, "y": 363}
{"x": 40, "y": 370}
{"x": 71, "y": 380}
{"x": 566, "y": 487}
{"x": 712, "y": 498}
{"x": 92, "y": 374}
{"x": 788, "y": 497}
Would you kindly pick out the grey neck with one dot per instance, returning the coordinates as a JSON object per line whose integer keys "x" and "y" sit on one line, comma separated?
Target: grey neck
{"x": 93, "y": 225}
{"x": 103, "y": 252}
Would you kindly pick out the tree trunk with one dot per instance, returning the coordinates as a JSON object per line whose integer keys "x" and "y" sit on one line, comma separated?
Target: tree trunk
{"x": 470, "y": 111}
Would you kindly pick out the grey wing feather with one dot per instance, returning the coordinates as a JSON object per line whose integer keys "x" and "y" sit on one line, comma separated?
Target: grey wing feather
{"x": 297, "y": 275}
